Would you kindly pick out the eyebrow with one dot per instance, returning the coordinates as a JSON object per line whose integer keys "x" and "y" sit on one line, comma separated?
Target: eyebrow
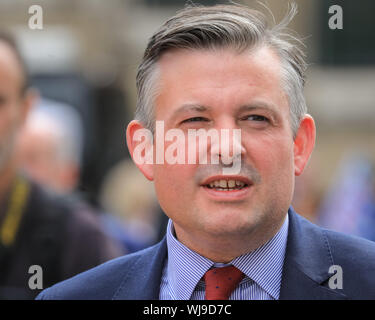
{"x": 189, "y": 107}
{"x": 246, "y": 107}
{"x": 258, "y": 105}
{"x": 192, "y": 107}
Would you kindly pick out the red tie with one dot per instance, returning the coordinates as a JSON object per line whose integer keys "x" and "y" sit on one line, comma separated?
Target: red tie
{"x": 220, "y": 282}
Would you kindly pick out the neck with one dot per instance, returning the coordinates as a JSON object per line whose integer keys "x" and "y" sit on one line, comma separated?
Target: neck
{"x": 224, "y": 248}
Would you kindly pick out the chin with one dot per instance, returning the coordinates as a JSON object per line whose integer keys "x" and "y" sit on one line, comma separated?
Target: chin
{"x": 231, "y": 223}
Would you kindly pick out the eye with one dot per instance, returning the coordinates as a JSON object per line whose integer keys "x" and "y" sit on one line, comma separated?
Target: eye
{"x": 256, "y": 117}
{"x": 195, "y": 119}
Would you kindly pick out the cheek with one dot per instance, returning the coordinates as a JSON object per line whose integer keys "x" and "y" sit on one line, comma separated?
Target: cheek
{"x": 273, "y": 159}
{"x": 274, "y": 162}
{"x": 174, "y": 185}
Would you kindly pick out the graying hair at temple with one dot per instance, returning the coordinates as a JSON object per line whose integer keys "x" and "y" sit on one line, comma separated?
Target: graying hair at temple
{"x": 224, "y": 26}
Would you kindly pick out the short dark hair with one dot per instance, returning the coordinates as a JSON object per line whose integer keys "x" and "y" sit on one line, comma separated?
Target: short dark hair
{"x": 9, "y": 40}
{"x": 221, "y": 26}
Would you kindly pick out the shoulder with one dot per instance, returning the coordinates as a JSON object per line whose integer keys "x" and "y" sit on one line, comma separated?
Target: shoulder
{"x": 341, "y": 247}
{"x": 349, "y": 247}
{"x": 104, "y": 281}
{"x": 356, "y": 259}
{"x": 354, "y": 256}
{"x": 44, "y": 205}
{"x": 69, "y": 213}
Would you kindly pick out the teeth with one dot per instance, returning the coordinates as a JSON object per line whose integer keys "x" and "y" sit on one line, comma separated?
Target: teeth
{"x": 227, "y": 184}
{"x": 239, "y": 183}
{"x": 231, "y": 184}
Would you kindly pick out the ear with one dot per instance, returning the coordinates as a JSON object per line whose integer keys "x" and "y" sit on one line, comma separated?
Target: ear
{"x": 29, "y": 99}
{"x": 304, "y": 144}
{"x": 140, "y": 145}
{"x": 68, "y": 177}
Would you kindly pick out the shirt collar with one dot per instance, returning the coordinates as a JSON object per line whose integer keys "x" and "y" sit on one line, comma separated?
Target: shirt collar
{"x": 185, "y": 268}
{"x": 265, "y": 264}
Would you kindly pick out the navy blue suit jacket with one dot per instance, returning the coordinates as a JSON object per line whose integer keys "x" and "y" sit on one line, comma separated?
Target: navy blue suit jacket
{"x": 310, "y": 253}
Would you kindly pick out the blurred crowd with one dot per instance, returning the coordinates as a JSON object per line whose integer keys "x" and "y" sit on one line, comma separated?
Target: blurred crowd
{"x": 71, "y": 198}
{"x": 44, "y": 218}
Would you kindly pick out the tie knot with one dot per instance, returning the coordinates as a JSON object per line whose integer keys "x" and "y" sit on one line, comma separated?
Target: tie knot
{"x": 220, "y": 282}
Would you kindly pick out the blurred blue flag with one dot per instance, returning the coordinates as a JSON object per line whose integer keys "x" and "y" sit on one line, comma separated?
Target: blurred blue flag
{"x": 349, "y": 205}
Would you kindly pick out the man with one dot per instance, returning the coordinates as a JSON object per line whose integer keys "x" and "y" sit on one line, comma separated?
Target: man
{"x": 49, "y": 149}
{"x": 50, "y": 144}
{"x": 230, "y": 236}
{"x": 43, "y": 239}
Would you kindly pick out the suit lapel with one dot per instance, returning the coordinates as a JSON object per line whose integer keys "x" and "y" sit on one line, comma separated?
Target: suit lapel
{"x": 142, "y": 282}
{"x": 307, "y": 261}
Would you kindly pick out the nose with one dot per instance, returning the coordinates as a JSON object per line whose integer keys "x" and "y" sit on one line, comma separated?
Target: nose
{"x": 228, "y": 148}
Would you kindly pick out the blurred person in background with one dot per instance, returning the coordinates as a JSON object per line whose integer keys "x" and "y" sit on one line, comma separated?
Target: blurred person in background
{"x": 132, "y": 200}
{"x": 349, "y": 204}
{"x": 307, "y": 195}
{"x": 49, "y": 149}
{"x": 36, "y": 226}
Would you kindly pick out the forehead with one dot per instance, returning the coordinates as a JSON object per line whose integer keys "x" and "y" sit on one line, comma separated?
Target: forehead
{"x": 218, "y": 78}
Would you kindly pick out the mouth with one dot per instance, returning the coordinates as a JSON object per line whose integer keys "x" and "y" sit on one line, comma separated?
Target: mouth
{"x": 227, "y": 187}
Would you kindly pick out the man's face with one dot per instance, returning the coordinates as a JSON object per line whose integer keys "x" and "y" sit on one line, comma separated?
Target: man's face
{"x": 37, "y": 154}
{"x": 235, "y": 91}
{"x": 11, "y": 102}
{"x": 216, "y": 90}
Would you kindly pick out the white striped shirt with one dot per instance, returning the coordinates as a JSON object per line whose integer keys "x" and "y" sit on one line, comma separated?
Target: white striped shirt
{"x": 183, "y": 270}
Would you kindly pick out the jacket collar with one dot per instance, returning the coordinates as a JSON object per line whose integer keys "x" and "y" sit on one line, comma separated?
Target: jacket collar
{"x": 305, "y": 273}
{"x": 142, "y": 282}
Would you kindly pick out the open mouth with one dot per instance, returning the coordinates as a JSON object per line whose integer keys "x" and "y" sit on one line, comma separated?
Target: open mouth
{"x": 226, "y": 185}
{"x": 228, "y": 188}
